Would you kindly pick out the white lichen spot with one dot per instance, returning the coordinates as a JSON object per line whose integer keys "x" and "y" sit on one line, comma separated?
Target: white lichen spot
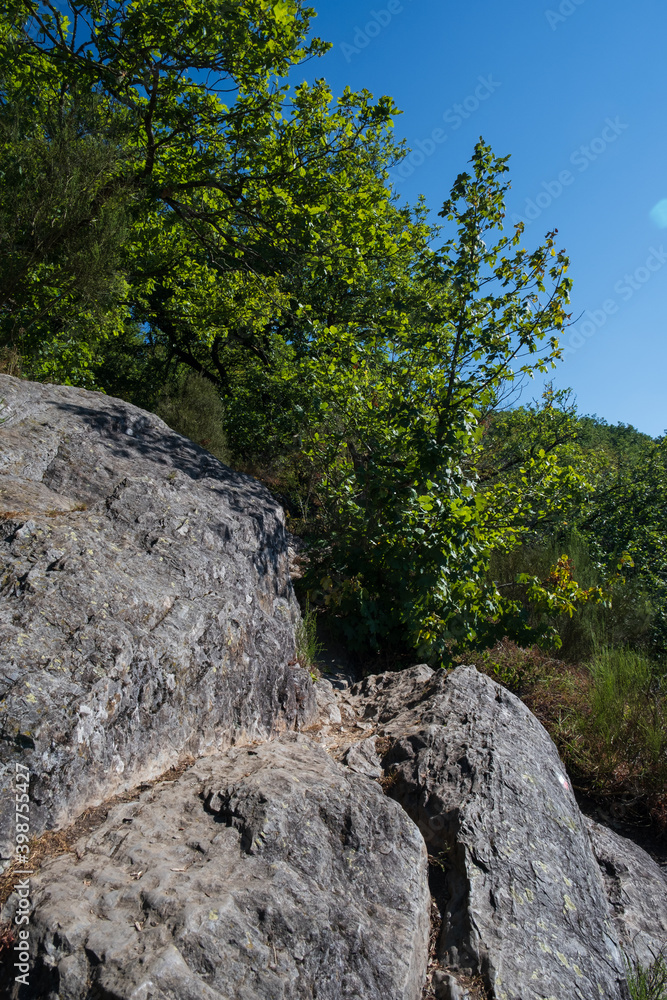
{"x": 562, "y": 959}
{"x": 569, "y": 905}
{"x": 568, "y": 881}
{"x": 544, "y": 947}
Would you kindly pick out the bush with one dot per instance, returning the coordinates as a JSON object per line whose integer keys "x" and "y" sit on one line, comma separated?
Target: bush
{"x": 627, "y": 620}
{"x": 615, "y": 738}
{"x": 194, "y": 408}
{"x": 516, "y": 668}
{"x": 648, "y": 983}
{"x": 628, "y": 712}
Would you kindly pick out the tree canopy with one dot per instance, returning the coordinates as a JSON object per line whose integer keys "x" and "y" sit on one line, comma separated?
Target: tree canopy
{"x": 173, "y": 203}
{"x": 159, "y": 169}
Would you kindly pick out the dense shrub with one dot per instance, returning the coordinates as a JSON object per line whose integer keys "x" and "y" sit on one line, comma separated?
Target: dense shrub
{"x": 193, "y": 408}
{"x": 648, "y": 983}
{"x": 621, "y": 738}
{"x": 625, "y": 618}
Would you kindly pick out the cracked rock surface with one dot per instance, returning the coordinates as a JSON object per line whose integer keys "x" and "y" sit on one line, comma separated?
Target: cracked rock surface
{"x": 146, "y": 609}
{"x": 146, "y": 613}
{"x": 524, "y": 903}
{"x": 637, "y": 891}
{"x": 265, "y": 873}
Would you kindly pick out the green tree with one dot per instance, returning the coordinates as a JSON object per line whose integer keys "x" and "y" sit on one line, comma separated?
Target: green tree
{"x": 628, "y": 514}
{"x": 406, "y": 531}
{"x": 62, "y": 284}
{"x": 187, "y": 210}
{"x": 243, "y": 197}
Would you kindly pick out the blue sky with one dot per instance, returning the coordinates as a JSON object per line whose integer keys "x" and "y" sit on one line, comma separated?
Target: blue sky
{"x": 576, "y": 91}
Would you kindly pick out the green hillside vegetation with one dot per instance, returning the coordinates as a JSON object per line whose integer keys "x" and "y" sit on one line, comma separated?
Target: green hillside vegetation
{"x": 181, "y": 228}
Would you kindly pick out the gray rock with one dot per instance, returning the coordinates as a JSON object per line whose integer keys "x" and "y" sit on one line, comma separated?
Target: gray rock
{"x": 262, "y": 873}
{"x": 146, "y": 609}
{"x": 637, "y": 892}
{"x": 447, "y": 988}
{"x": 362, "y": 758}
{"x": 524, "y": 904}
{"x": 399, "y": 698}
{"x": 327, "y": 704}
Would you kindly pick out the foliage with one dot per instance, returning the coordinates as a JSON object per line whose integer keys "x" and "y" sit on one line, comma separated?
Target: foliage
{"x": 560, "y": 592}
{"x": 629, "y": 513}
{"x": 516, "y": 668}
{"x": 405, "y": 532}
{"x": 610, "y": 548}
{"x": 308, "y": 646}
{"x": 648, "y": 983}
{"x": 194, "y": 408}
{"x": 61, "y": 285}
{"x": 627, "y": 719}
{"x": 249, "y": 207}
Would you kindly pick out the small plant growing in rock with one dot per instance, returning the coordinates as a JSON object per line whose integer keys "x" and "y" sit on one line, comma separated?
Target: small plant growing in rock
{"x": 648, "y": 983}
{"x": 307, "y": 646}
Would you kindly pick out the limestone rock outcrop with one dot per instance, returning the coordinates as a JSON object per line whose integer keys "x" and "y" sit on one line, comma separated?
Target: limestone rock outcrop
{"x": 147, "y": 613}
{"x": 637, "y": 892}
{"x": 261, "y": 873}
{"x": 146, "y": 609}
{"x": 524, "y": 904}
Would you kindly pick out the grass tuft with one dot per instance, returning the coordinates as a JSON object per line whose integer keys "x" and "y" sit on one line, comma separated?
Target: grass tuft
{"x": 648, "y": 983}
{"x": 308, "y": 647}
